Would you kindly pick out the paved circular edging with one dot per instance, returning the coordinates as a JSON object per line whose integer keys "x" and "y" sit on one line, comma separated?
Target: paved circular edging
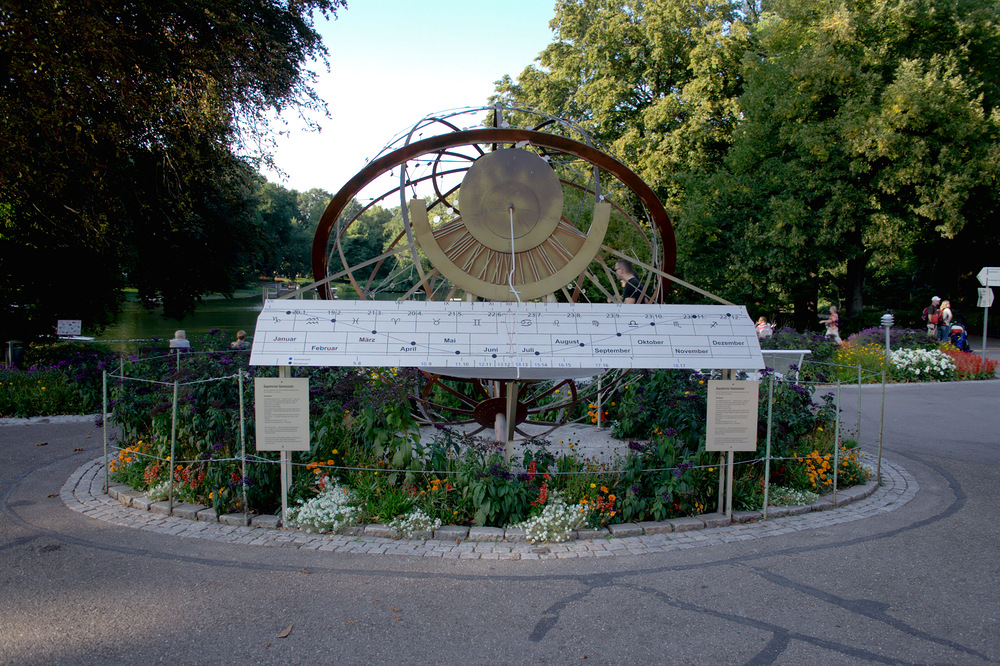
{"x": 84, "y": 492}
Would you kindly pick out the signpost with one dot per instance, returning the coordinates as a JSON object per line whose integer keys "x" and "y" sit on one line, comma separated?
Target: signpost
{"x": 732, "y": 423}
{"x": 281, "y": 407}
{"x": 988, "y": 277}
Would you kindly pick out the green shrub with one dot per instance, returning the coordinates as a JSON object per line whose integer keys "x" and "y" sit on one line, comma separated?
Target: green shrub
{"x": 38, "y": 393}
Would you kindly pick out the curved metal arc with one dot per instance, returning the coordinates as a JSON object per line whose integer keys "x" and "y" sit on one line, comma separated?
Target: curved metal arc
{"x": 490, "y": 135}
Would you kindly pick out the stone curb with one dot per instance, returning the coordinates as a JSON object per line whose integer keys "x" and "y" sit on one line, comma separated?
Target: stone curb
{"x": 83, "y": 492}
{"x": 137, "y": 500}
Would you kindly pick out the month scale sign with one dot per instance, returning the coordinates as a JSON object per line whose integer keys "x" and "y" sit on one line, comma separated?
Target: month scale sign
{"x": 504, "y": 340}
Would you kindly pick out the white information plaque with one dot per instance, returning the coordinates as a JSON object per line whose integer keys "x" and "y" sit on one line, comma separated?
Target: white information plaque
{"x": 732, "y": 415}
{"x": 281, "y": 408}
{"x": 69, "y": 326}
{"x": 504, "y": 340}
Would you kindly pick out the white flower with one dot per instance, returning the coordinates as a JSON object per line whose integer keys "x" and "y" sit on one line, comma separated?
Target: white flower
{"x": 556, "y": 522}
{"x": 415, "y": 521}
{"x": 329, "y": 511}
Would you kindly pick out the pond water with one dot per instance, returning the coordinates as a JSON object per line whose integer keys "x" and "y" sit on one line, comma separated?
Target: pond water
{"x": 136, "y": 324}
{"x": 137, "y": 327}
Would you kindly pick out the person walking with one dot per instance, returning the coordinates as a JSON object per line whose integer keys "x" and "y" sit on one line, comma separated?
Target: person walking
{"x": 832, "y": 323}
{"x": 631, "y": 289}
{"x": 944, "y": 321}
{"x": 931, "y": 316}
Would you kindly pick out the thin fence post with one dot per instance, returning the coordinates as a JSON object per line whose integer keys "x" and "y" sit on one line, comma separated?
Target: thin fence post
{"x": 767, "y": 450}
{"x": 173, "y": 442}
{"x": 243, "y": 455}
{"x": 722, "y": 482}
{"x": 859, "y": 404}
{"x": 836, "y": 443}
{"x": 104, "y": 423}
{"x": 600, "y": 402}
{"x": 881, "y": 427}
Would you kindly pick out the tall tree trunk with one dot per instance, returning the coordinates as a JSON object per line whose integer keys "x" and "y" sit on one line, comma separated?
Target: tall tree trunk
{"x": 856, "y": 267}
{"x": 804, "y": 303}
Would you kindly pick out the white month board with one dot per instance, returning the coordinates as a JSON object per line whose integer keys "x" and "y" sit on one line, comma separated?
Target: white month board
{"x": 505, "y": 340}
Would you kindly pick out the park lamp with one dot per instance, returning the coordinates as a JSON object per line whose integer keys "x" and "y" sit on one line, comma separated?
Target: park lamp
{"x": 887, "y": 322}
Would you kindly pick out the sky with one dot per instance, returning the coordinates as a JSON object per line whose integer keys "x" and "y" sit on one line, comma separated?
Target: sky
{"x": 393, "y": 62}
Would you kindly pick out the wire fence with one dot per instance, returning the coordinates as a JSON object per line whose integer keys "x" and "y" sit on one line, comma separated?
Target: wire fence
{"x": 245, "y": 458}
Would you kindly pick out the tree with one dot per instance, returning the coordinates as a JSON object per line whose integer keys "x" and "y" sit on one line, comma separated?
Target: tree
{"x": 119, "y": 122}
{"x": 803, "y": 147}
{"x": 868, "y": 135}
{"x": 655, "y": 82}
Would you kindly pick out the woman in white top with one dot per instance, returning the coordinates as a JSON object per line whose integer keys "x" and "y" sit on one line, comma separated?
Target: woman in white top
{"x": 832, "y": 324}
{"x": 944, "y": 323}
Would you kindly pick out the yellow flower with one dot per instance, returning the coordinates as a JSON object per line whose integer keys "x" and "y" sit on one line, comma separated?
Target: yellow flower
{"x": 611, "y": 497}
{"x": 335, "y": 452}
{"x": 593, "y": 485}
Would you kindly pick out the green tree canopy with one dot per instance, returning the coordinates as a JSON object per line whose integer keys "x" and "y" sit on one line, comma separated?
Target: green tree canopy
{"x": 806, "y": 148}
{"x": 119, "y": 123}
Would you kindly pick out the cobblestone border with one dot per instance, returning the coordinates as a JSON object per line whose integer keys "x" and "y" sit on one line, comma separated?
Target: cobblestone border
{"x": 84, "y": 492}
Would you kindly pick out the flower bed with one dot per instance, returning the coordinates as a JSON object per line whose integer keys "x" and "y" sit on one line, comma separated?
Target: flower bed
{"x": 917, "y": 365}
{"x": 367, "y": 464}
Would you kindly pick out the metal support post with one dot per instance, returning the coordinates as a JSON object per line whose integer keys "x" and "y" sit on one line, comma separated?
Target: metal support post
{"x": 173, "y": 446}
{"x": 836, "y": 442}
{"x": 767, "y": 449}
{"x": 243, "y": 454}
{"x": 104, "y": 422}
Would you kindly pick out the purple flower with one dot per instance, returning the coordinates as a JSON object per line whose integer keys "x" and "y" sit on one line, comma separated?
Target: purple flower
{"x": 637, "y": 446}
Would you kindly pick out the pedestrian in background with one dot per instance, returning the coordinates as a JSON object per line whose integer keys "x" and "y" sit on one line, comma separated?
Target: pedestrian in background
{"x": 944, "y": 322}
{"x": 932, "y": 316}
{"x": 832, "y": 323}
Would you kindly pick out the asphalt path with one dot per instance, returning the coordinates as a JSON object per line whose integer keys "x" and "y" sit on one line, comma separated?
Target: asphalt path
{"x": 918, "y": 584}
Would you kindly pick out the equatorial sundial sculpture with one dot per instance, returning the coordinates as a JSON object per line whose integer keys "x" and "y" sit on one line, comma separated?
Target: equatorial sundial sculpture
{"x": 497, "y": 218}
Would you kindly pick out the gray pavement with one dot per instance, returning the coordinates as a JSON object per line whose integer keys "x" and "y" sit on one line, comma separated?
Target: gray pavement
{"x": 906, "y": 575}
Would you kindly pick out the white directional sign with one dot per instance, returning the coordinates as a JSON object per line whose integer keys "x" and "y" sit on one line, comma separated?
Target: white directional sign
{"x": 985, "y": 297}
{"x": 504, "y": 340}
{"x": 989, "y": 276}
